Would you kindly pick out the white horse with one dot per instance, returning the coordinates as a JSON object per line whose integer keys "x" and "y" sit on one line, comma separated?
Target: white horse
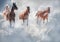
{"x": 6, "y": 11}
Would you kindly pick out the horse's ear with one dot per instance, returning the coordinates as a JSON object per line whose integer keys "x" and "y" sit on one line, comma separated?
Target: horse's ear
{"x": 28, "y": 8}
{"x": 14, "y": 4}
{"x": 49, "y": 8}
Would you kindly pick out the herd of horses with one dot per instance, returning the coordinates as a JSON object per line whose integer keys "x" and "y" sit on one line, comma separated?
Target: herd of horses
{"x": 9, "y": 14}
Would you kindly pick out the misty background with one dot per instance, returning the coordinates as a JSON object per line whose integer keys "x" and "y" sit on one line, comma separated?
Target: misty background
{"x": 48, "y": 32}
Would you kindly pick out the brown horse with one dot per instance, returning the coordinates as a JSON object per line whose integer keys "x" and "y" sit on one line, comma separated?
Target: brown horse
{"x": 43, "y": 14}
{"x": 11, "y": 16}
{"x": 24, "y": 15}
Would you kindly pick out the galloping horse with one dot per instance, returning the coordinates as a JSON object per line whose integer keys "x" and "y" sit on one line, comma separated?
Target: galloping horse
{"x": 11, "y": 16}
{"x": 6, "y": 11}
{"x": 24, "y": 15}
{"x": 43, "y": 14}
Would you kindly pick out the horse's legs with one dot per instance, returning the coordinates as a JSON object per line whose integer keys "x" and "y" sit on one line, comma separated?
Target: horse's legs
{"x": 37, "y": 20}
{"x": 10, "y": 23}
{"x": 23, "y": 21}
{"x": 43, "y": 21}
{"x": 13, "y": 22}
{"x": 47, "y": 19}
{"x": 27, "y": 22}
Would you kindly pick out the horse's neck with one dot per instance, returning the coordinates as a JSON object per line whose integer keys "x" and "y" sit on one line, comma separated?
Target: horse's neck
{"x": 26, "y": 12}
{"x": 12, "y": 10}
{"x": 47, "y": 10}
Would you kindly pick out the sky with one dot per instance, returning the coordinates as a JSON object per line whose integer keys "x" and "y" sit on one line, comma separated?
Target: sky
{"x": 2, "y": 4}
{"x": 48, "y": 32}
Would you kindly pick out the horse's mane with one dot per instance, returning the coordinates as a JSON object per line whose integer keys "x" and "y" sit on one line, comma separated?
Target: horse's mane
{"x": 24, "y": 11}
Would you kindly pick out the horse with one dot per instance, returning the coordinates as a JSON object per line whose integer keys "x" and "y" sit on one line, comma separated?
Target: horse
{"x": 6, "y": 11}
{"x": 11, "y": 16}
{"x": 43, "y": 15}
{"x": 24, "y": 15}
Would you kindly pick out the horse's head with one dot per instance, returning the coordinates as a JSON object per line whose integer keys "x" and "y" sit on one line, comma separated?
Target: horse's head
{"x": 14, "y": 6}
{"x": 48, "y": 9}
{"x": 7, "y": 7}
{"x": 28, "y": 9}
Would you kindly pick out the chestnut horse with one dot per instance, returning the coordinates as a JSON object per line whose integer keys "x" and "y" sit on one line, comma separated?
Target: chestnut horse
{"x": 11, "y": 16}
{"x": 24, "y": 15}
{"x": 43, "y": 15}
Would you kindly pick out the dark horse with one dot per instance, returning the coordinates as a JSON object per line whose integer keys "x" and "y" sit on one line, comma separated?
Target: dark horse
{"x": 24, "y": 15}
{"x": 11, "y": 16}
